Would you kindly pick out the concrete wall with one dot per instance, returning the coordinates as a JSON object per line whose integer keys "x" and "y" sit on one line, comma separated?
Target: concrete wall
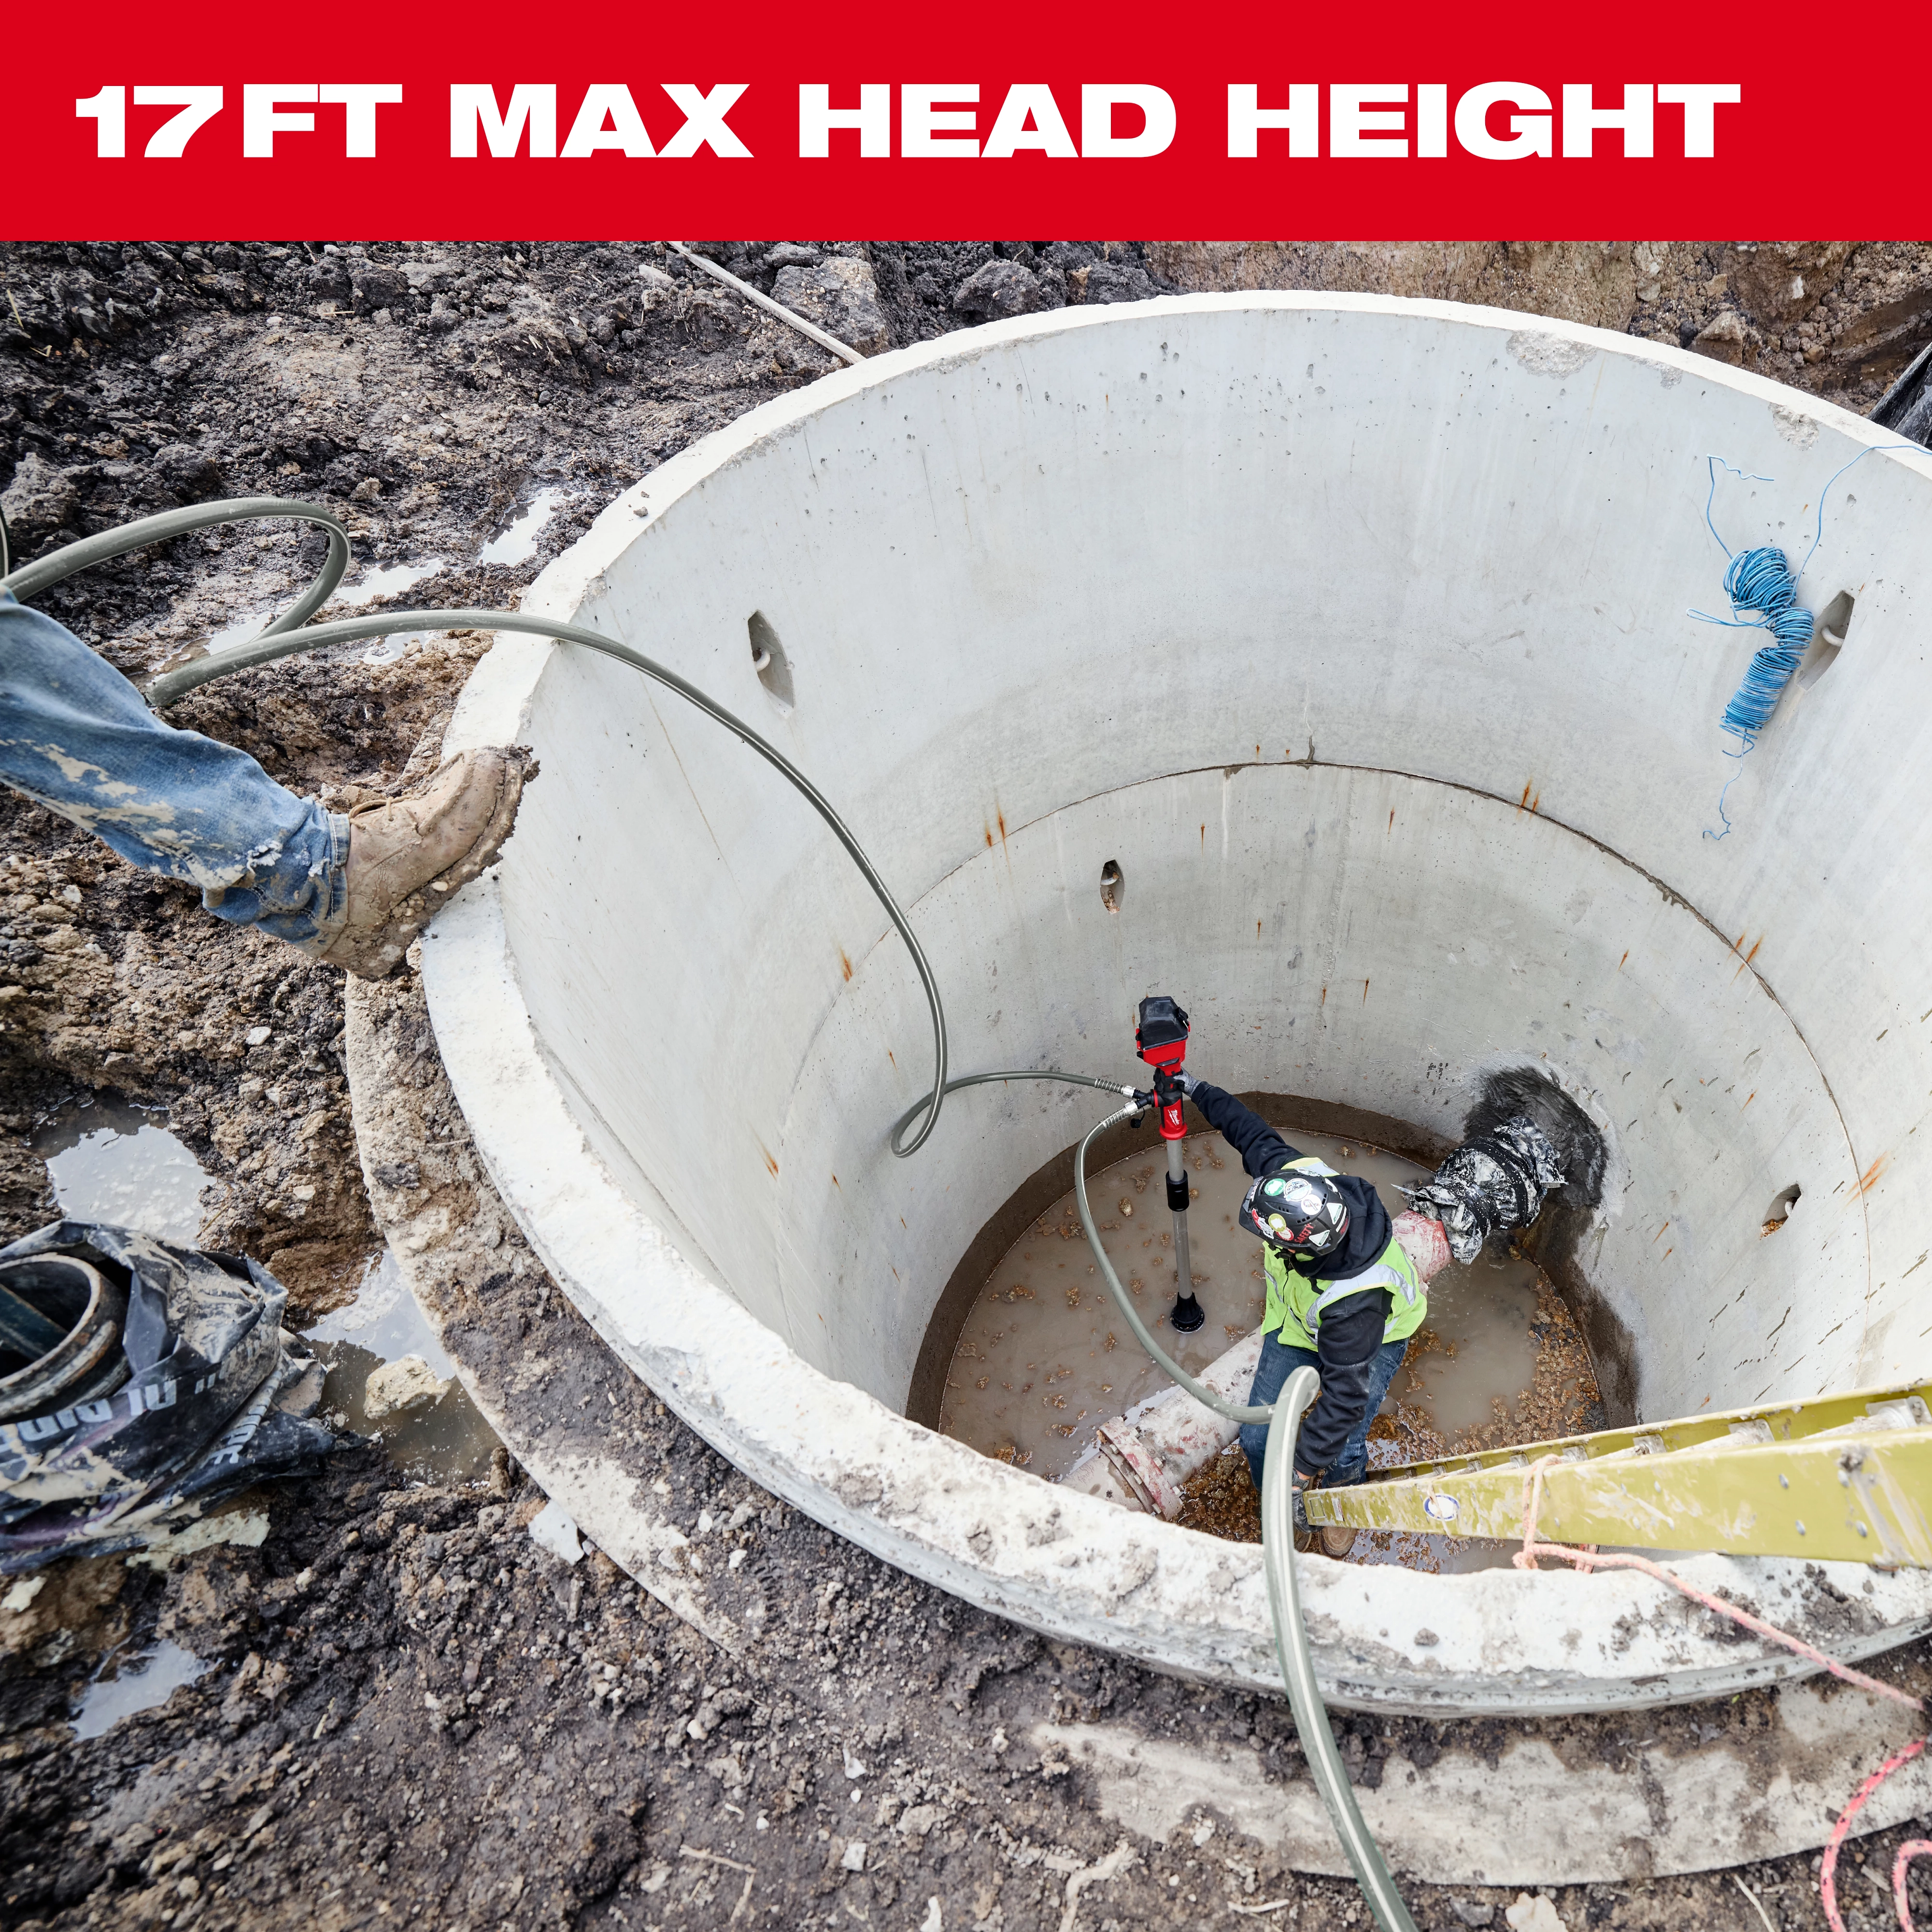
{"x": 1354, "y": 631}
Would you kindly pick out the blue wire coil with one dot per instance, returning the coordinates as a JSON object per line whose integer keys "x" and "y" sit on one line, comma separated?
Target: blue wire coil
{"x": 1762, "y": 581}
{"x": 1763, "y": 590}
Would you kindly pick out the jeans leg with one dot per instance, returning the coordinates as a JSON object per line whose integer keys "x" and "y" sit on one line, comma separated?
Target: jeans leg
{"x": 1352, "y": 1465}
{"x": 75, "y": 735}
{"x": 1277, "y": 1364}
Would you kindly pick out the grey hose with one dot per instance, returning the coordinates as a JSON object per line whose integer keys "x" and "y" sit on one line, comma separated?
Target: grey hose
{"x": 1297, "y": 1662}
{"x": 1200, "y": 1391}
{"x": 31, "y": 578}
{"x": 281, "y": 639}
{"x": 1283, "y": 1418}
{"x": 913, "y": 1112}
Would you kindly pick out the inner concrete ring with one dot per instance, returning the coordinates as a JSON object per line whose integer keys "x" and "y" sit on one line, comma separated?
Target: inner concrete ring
{"x": 1353, "y": 632}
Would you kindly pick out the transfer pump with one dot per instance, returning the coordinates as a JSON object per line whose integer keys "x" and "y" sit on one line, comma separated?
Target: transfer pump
{"x": 1161, "y": 1037}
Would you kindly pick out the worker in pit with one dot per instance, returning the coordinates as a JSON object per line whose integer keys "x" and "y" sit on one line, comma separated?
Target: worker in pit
{"x": 1343, "y": 1299}
{"x": 350, "y": 889}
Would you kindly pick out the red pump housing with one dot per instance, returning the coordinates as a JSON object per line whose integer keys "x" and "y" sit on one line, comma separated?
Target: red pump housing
{"x": 1160, "y": 1036}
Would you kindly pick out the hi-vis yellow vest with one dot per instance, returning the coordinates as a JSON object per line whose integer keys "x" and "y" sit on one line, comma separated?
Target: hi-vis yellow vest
{"x": 1296, "y": 1305}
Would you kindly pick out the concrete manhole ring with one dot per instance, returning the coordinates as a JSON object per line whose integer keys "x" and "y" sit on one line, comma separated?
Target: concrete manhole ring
{"x": 670, "y": 1019}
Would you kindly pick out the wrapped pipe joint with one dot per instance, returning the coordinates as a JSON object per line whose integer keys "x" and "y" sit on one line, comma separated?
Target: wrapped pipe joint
{"x": 1496, "y": 1180}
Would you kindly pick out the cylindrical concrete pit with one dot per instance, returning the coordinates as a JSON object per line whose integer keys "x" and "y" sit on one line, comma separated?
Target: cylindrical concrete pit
{"x": 1326, "y": 663}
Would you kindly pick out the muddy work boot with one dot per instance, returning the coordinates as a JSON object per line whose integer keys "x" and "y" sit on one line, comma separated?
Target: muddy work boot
{"x": 1336, "y": 1541}
{"x": 406, "y": 855}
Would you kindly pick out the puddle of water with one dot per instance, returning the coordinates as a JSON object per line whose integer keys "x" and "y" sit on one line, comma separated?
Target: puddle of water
{"x": 447, "y": 1440}
{"x": 139, "y": 1683}
{"x": 383, "y": 583}
{"x": 1044, "y": 1358}
{"x": 1477, "y": 1349}
{"x": 393, "y": 649}
{"x": 110, "y": 1161}
{"x": 240, "y": 631}
{"x": 518, "y": 544}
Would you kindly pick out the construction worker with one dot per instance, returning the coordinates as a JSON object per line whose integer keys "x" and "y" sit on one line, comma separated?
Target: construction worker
{"x": 1343, "y": 1299}
{"x": 349, "y": 890}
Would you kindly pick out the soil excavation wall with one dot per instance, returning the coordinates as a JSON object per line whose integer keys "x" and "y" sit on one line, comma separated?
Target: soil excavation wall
{"x": 1354, "y": 632}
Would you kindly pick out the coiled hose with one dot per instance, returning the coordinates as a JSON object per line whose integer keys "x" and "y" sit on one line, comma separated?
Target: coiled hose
{"x": 291, "y": 633}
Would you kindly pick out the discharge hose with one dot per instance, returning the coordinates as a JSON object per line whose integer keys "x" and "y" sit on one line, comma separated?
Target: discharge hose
{"x": 1199, "y": 1390}
{"x": 45, "y": 571}
{"x": 1297, "y": 1661}
{"x": 282, "y": 639}
{"x": 918, "y": 1107}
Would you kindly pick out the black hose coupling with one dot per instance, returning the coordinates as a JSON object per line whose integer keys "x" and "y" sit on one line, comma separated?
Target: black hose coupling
{"x": 1186, "y": 1316}
{"x": 1178, "y": 1193}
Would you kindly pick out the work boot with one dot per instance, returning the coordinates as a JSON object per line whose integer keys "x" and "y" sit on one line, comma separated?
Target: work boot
{"x": 406, "y": 854}
{"x": 1337, "y": 1541}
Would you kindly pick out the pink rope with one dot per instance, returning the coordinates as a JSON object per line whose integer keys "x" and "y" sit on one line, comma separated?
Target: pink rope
{"x": 1828, "y": 1877}
{"x": 1526, "y": 1559}
{"x": 1912, "y": 1848}
{"x": 1586, "y": 1561}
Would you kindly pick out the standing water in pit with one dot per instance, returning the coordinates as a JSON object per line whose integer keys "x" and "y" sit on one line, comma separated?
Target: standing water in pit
{"x": 1043, "y": 1360}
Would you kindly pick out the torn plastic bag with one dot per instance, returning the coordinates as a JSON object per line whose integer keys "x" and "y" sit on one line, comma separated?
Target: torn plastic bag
{"x": 1496, "y": 1180}
{"x": 172, "y": 1385}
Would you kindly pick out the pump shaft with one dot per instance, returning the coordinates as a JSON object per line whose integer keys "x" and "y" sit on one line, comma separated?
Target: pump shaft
{"x": 1186, "y": 1316}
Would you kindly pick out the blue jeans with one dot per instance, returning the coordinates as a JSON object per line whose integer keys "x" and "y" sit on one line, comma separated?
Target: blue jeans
{"x": 1277, "y": 1364}
{"x": 75, "y": 735}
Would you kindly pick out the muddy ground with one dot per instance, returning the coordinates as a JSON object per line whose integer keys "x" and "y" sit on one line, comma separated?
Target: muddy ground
{"x": 412, "y": 1713}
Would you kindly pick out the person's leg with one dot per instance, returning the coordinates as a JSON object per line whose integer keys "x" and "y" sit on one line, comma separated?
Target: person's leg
{"x": 76, "y": 735}
{"x": 352, "y": 892}
{"x": 1352, "y": 1465}
{"x": 1277, "y": 1364}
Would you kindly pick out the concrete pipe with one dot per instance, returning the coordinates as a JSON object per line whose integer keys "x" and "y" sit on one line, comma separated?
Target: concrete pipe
{"x": 1323, "y": 661}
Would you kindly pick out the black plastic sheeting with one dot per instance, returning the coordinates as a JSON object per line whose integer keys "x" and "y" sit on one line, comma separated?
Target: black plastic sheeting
{"x": 214, "y": 1395}
{"x": 1907, "y": 406}
{"x": 1496, "y": 1180}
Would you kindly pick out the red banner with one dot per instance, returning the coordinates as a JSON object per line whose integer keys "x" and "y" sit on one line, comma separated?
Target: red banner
{"x": 249, "y": 121}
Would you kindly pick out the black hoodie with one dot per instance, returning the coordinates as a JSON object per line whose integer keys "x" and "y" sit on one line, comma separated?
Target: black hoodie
{"x": 1352, "y": 1331}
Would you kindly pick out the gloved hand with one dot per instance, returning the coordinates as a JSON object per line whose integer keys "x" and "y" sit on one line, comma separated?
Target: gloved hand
{"x": 1302, "y": 1483}
{"x": 1189, "y": 1081}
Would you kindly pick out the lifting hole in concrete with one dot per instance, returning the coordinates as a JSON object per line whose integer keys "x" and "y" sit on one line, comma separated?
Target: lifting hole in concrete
{"x": 1833, "y": 622}
{"x": 1111, "y": 884}
{"x": 769, "y": 661}
{"x": 1779, "y": 1212}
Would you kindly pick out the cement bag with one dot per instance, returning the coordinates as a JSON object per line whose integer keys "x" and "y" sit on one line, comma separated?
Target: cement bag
{"x": 166, "y": 1383}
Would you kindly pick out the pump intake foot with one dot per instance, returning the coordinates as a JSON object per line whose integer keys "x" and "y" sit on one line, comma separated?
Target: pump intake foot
{"x": 1186, "y": 1316}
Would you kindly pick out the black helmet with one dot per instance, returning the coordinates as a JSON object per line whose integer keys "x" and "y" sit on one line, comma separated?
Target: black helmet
{"x": 1302, "y": 1213}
